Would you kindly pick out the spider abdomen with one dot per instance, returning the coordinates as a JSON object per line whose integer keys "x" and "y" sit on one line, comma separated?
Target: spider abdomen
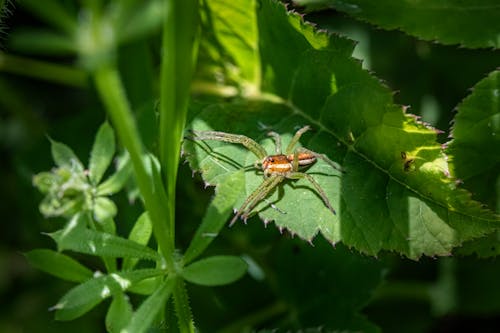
{"x": 282, "y": 164}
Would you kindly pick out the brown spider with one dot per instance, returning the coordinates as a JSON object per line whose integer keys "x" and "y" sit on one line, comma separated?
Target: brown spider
{"x": 276, "y": 167}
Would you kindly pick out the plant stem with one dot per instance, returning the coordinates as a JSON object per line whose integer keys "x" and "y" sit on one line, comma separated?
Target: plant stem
{"x": 179, "y": 49}
{"x": 112, "y": 93}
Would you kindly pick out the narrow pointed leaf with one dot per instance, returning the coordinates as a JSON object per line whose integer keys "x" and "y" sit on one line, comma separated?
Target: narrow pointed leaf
{"x": 65, "y": 157}
{"x": 215, "y": 271}
{"x": 429, "y": 20}
{"x": 59, "y": 265}
{"x": 85, "y": 296}
{"x": 102, "y": 153}
{"x": 216, "y": 215}
{"x": 142, "y": 319}
{"x": 76, "y": 237}
{"x": 119, "y": 313}
{"x": 117, "y": 180}
{"x": 396, "y": 192}
{"x": 140, "y": 233}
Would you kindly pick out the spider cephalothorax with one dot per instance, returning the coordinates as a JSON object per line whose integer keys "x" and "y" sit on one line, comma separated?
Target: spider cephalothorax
{"x": 276, "y": 167}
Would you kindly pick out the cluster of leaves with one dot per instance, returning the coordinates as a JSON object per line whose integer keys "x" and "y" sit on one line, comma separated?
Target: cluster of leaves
{"x": 78, "y": 195}
{"x": 399, "y": 192}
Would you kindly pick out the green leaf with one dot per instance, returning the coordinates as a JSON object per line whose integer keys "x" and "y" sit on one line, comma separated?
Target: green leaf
{"x": 104, "y": 209}
{"x": 119, "y": 313}
{"x": 474, "y": 151}
{"x": 142, "y": 319}
{"x": 59, "y": 265}
{"x": 65, "y": 157}
{"x": 76, "y": 237}
{"x": 429, "y": 20}
{"x": 475, "y": 143}
{"x": 117, "y": 180}
{"x": 215, "y": 271}
{"x": 216, "y": 215}
{"x": 140, "y": 233}
{"x": 85, "y": 296}
{"x": 396, "y": 192}
{"x": 102, "y": 153}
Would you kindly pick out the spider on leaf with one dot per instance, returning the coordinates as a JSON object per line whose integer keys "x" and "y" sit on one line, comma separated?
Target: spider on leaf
{"x": 276, "y": 168}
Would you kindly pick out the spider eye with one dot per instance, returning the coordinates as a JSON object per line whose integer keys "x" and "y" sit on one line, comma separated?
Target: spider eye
{"x": 271, "y": 159}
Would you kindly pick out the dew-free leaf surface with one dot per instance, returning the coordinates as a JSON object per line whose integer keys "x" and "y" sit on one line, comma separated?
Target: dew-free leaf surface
{"x": 473, "y": 24}
{"x": 396, "y": 193}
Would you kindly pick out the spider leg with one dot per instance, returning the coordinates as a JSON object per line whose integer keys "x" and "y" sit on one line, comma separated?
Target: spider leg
{"x": 277, "y": 179}
{"x": 257, "y": 195}
{"x": 277, "y": 141}
{"x": 321, "y": 192}
{"x": 250, "y": 144}
{"x": 295, "y": 139}
{"x": 322, "y": 157}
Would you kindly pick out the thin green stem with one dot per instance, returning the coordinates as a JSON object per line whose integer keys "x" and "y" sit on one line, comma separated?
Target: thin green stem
{"x": 112, "y": 93}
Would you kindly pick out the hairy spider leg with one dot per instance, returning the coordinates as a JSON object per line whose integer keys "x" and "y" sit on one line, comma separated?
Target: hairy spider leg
{"x": 250, "y": 144}
{"x": 277, "y": 141}
{"x": 295, "y": 139}
{"x": 261, "y": 196}
{"x": 257, "y": 195}
{"x": 300, "y": 175}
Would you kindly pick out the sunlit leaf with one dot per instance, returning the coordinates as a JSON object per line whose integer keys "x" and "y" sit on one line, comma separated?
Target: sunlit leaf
{"x": 396, "y": 193}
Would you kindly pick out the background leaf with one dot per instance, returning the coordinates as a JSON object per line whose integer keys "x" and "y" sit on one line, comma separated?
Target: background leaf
{"x": 386, "y": 201}
{"x": 215, "y": 271}
{"x": 59, "y": 265}
{"x": 429, "y": 20}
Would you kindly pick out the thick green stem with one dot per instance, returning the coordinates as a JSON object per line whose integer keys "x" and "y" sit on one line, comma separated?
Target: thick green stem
{"x": 179, "y": 51}
{"x": 112, "y": 93}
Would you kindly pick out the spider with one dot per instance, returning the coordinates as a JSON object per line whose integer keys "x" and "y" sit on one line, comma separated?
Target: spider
{"x": 276, "y": 168}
